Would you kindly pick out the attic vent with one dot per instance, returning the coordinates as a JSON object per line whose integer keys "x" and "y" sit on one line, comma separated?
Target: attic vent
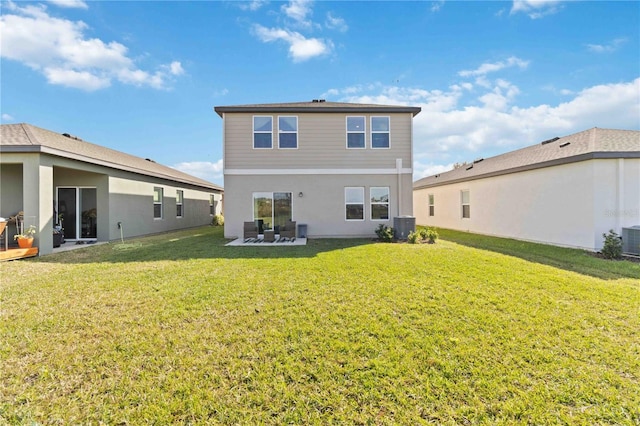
{"x": 150, "y": 160}
{"x": 478, "y": 160}
{"x": 71, "y": 136}
{"x": 470, "y": 167}
{"x": 437, "y": 176}
{"x": 549, "y": 140}
{"x": 562, "y": 145}
{"x": 317, "y": 101}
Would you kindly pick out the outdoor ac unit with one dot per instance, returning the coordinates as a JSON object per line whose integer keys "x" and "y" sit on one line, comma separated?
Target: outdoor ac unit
{"x": 402, "y": 226}
{"x": 631, "y": 240}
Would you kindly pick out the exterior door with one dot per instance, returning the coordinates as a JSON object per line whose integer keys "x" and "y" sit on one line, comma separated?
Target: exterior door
{"x": 77, "y": 212}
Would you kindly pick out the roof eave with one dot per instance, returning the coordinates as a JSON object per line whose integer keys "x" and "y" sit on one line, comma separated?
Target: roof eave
{"x": 551, "y": 163}
{"x": 320, "y": 108}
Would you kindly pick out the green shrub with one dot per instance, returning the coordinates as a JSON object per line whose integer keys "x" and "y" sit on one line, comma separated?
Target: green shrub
{"x": 413, "y": 237}
{"x": 431, "y": 235}
{"x": 612, "y": 248}
{"x": 384, "y": 233}
{"x": 218, "y": 220}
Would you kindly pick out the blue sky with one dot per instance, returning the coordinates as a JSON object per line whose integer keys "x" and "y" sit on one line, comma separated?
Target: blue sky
{"x": 143, "y": 77}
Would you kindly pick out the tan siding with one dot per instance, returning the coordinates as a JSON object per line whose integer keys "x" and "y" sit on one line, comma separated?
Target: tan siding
{"x": 321, "y": 144}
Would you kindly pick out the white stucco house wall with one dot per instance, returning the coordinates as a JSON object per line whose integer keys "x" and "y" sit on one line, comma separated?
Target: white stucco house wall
{"x": 339, "y": 168}
{"x": 98, "y": 192}
{"x": 566, "y": 191}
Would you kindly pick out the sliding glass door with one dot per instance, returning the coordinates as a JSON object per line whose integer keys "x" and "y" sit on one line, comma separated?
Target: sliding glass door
{"x": 77, "y": 212}
{"x": 271, "y": 209}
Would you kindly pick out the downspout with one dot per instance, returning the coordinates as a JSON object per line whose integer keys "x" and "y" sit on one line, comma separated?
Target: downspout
{"x": 620, "y": 195}
{"x": 399, "y": 176}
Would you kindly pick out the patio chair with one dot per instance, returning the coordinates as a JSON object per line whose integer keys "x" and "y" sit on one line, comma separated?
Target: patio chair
{"x": 250, "y": 230}
{"x": 288, "y": 230}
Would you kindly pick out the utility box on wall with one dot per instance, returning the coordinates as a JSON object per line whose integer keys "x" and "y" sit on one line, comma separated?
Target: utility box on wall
{"x": 402, "y": 226}
{"x": 631, "y": 240}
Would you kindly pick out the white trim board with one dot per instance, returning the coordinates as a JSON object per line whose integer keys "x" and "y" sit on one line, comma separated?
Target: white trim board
{"x": 241, "y": 172}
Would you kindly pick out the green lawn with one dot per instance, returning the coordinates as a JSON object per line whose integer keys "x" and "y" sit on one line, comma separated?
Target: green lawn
{"x": 180, "y": 329}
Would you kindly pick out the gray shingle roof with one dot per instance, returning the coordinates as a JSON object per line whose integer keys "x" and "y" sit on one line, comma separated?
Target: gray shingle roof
{"x": 317, "y": 106}
{"x": 585, "y": 145}
{"x": 28, "y": 138}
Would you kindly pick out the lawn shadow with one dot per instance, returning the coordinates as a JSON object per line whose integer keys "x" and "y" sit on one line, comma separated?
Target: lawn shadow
{"x": 197, "y": 243}
{"x": 574, "y": 260}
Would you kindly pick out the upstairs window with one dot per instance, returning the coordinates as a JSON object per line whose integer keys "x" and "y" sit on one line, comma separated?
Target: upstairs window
{"x": 379, "y": 203}
{"x": 179, "y": 203}
{"x": 466, "y": 205}
{"x": 355, "y": 132}
{"x": 287, "y": 132}
{"x": 262, "y": 131}
{"x": 432, "y": 205}
{"x": 380, "y": 132}
{"x": 354, "y": 203}
{"x": 157, "y": 203}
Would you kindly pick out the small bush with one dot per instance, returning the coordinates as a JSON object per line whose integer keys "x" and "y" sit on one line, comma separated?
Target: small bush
{"x": 218, "y": 220}
{"x": 413, "y": 237}
{"x": 384, "y": 233}
{"x": 612, "y": 248}
{"x": 431, "y": 235}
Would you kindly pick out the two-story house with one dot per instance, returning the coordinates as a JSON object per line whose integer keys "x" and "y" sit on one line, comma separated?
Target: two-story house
{"x": 342, "y": 169}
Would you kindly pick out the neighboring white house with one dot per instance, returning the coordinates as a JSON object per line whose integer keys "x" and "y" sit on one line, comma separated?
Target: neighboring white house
{"x": 98, "y": 192}
{"x": 565, "y": 191}
{"x": 342, "y": 169}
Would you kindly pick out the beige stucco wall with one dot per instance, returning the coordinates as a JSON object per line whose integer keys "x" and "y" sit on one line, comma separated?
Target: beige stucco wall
{"x": 322, "y": 141}
{"x": 322, "y": 204}
{"x": 568, "y": 205}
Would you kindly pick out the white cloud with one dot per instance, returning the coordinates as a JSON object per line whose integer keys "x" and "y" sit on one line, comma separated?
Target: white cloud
{"x": 535, "y": 9}
{"x": 59, "y": 49}
{"x": 7, "y": 117}
{"x": 607, "y": 48}
{"x": 72, "y": 4}
{"x": 454, "y": 128}
{"x": 203, "y": 169}
{"x": 300, "y": 48}
{"x": 487, "y": 67}
{"x": 251, "y": 5}
{"x": 336, "y": 23}
{"x": 437, "y": 5}
{"x": 297, "y": 10}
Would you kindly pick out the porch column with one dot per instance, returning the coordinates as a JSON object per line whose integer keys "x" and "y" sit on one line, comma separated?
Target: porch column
{"x": 37, "y": 195}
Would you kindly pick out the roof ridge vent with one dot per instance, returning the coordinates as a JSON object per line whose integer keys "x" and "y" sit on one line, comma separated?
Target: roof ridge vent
{"x": 549, "y": 140}
{"x": 562, "y": 145}
{"x": 470, "y": 167}
{"x": 478, "y": 160}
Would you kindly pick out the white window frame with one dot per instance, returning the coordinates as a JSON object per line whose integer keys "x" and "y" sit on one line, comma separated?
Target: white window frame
{"x": 431, "y": 203}
{"x": 387, "y": 132}
{"x": 287, "y": 132}
{"x": 261, "y": 132}
{"x": 212, "y": 205}
{"x": 361, "y": 190}
{"x": 158, "y": 190}
{"x": 378, "y": 203}
{"x": 363, "y": 131}
{"x": 464, "y": 204}
{"x": 180, "y": 203}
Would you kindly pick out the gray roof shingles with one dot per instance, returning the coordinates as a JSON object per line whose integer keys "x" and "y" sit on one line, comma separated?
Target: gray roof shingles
{"x": 592, "y": 143}
{"x": 28, "y": 138}
{"x": 317, "y": 106}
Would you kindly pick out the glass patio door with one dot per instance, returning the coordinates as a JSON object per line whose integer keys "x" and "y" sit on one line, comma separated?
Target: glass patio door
{"x": 77, "y": 212}
{"x": 271, "y": 209}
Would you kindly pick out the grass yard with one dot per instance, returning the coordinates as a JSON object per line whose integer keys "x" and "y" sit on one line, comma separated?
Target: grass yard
{"x": 180, "y": 329}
